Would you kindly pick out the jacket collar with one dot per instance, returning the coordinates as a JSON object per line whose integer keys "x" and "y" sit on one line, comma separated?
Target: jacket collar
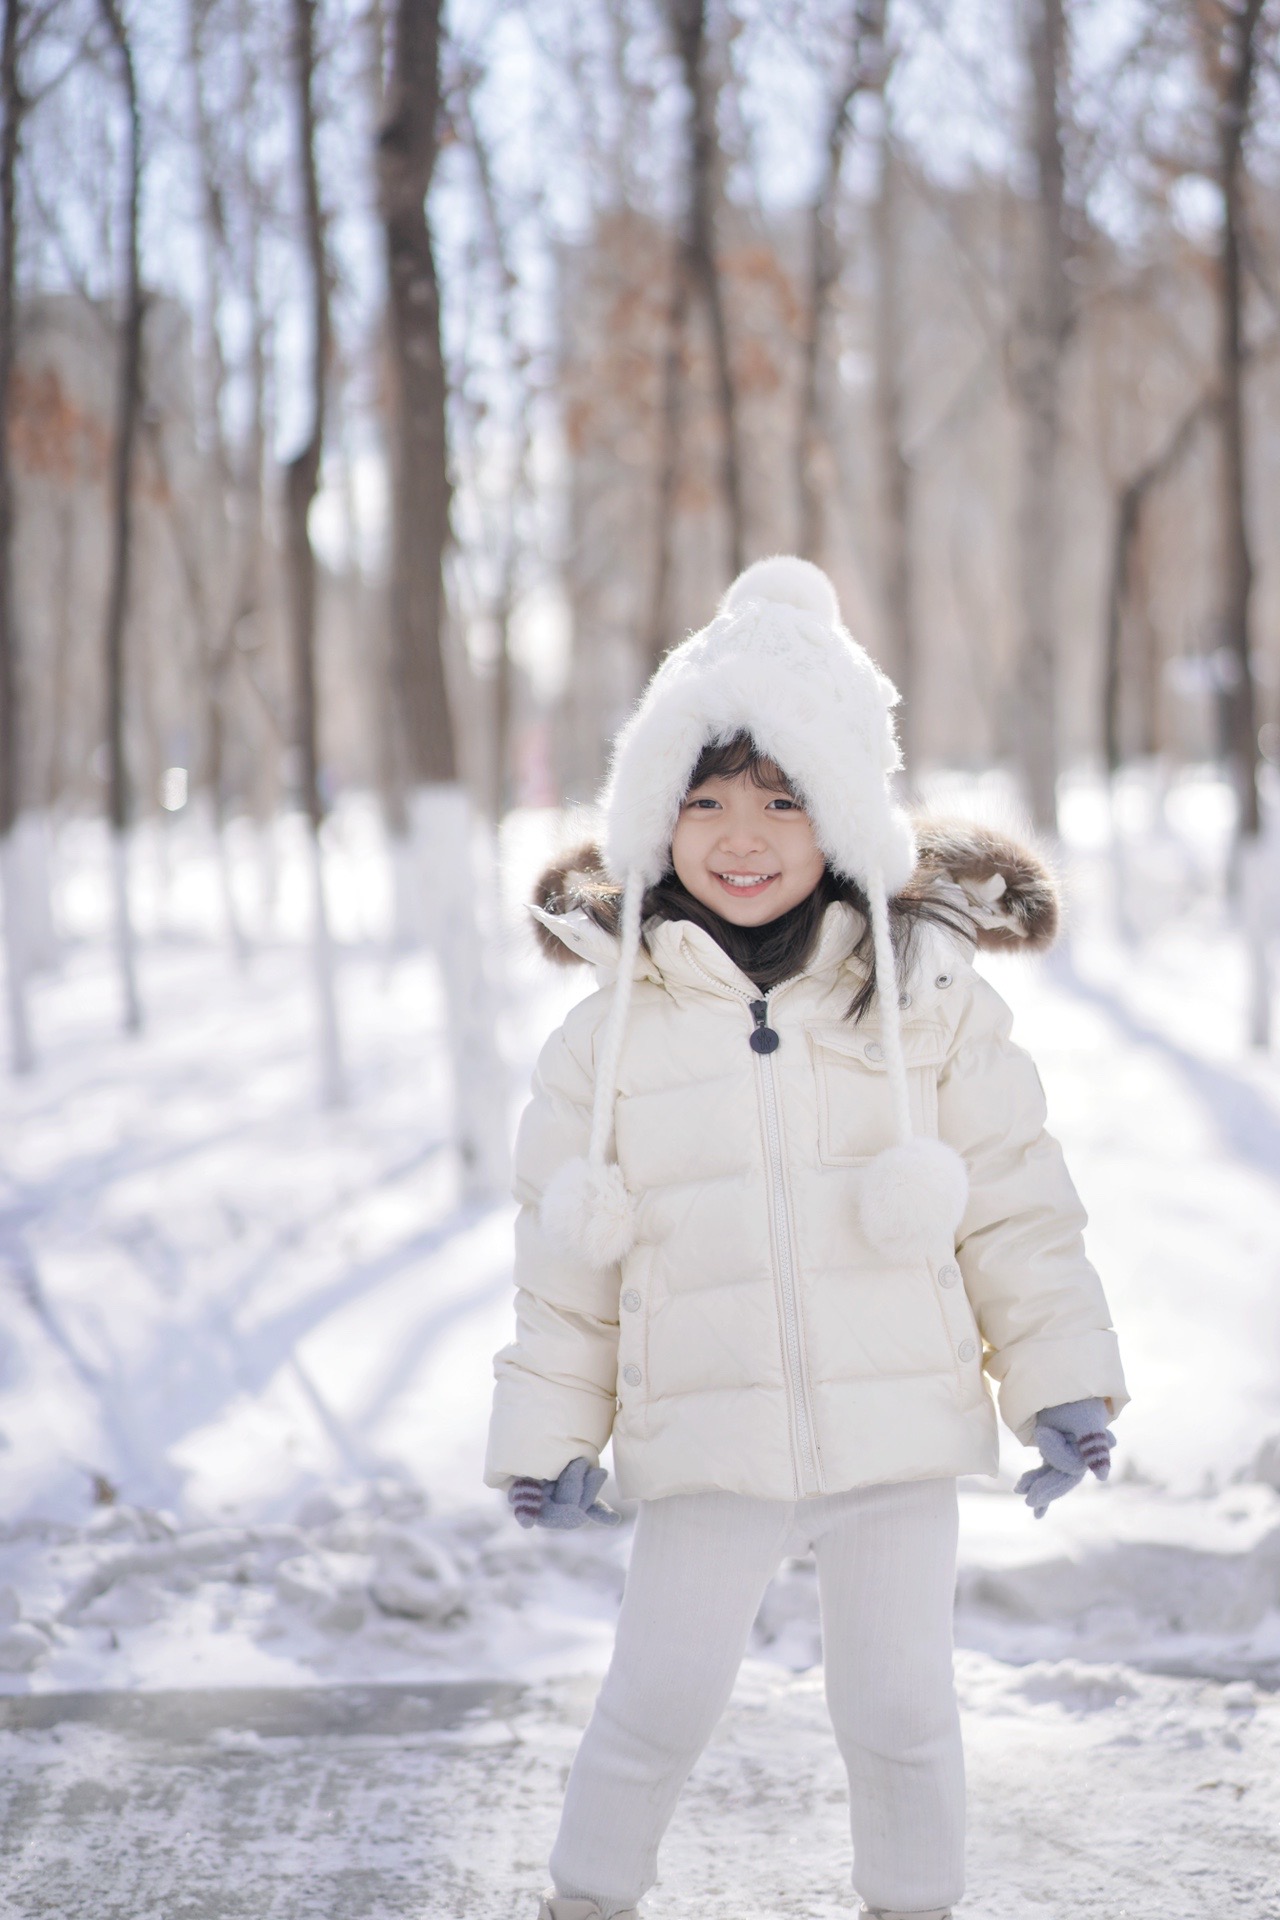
{"x": 678, "y": 953}
{"x": 688, "y": 956}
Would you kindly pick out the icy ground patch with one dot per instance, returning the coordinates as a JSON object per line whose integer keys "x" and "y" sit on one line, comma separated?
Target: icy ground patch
{"x": 1092, "y": 1791}
{"x": 259, "y": 1337}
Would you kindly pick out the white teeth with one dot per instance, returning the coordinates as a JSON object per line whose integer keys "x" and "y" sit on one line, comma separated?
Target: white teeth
{"x": 744, "y": 879}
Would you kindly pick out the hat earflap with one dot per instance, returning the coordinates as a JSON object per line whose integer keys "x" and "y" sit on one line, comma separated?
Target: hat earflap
{"x": 912, "y": 1196}
{"x": 585, "y": 1204}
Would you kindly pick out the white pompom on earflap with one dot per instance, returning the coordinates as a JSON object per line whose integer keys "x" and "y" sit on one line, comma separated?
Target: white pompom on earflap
{"x": 912, "y": 1198}
{"x": 586, "y": 1206}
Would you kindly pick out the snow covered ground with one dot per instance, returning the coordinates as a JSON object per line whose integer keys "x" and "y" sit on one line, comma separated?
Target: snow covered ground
{"x": 244, "y": 1373}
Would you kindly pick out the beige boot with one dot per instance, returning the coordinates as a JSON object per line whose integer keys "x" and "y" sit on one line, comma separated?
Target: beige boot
{"x": 555, "y": 1907}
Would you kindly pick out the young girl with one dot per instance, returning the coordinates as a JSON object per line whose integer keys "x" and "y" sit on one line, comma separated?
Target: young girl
{"x": 787, "y": 1206}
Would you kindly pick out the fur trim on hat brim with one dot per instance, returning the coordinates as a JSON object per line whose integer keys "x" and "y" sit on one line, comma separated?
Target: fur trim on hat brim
{"x": 1010, "y": 889}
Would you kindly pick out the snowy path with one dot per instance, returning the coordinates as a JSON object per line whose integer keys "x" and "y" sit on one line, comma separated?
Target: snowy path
{"x": 1091, "y": 1792}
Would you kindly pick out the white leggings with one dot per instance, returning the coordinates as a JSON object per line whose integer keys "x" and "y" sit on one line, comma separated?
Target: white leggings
{"x": 699, "y": 1566}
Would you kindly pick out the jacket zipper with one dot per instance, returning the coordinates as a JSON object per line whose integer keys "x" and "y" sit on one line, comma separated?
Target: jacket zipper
{"x": 809, "y": 1476}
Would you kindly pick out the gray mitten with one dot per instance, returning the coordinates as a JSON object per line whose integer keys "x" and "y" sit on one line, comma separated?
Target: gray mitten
{"x": 564, "y": 1503}
{"x": 1073, "y": 1439}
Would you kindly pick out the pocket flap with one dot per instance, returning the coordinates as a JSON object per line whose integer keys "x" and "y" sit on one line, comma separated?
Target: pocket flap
{"x": 924, "y": 1044}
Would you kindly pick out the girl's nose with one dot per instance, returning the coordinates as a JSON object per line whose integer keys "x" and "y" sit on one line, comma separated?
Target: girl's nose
{"x": 741, "y": 839}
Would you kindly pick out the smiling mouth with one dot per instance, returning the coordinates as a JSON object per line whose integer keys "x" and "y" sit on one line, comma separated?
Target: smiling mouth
{"x": 745, "y": 883}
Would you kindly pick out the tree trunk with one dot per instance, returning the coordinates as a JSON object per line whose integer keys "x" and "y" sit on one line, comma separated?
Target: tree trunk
{"x": 896, "y": 479}
{"x": 502, "y": 732}
{"x": 1233, "y": 115}
{"x": 215, "y": 624}
{"x": 500, "y": 780}
{"x": 1128, "y": 520}
{"x": 661, "y": 614}
{"x": 11, "y": 889}
{"x": 392, "y": 778}
{"x": 1236, "y": 72}
{"x": 251, "y": 605}
{"x": 119, "y": 800}
{"x": 302, "y": 476}
{"x": 689, "y": 24}
{"x": 1038, "y": 349}
{"x": 420, "y": 508}
{"x": 440, "y": 822}
{"x": 866, "y": 67}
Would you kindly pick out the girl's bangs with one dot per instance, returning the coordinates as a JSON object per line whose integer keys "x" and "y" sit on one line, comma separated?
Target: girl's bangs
{"x": 738, "y": 754}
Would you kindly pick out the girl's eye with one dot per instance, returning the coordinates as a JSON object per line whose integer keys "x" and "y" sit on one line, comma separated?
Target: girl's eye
{"x": 703, "y": 801}
{"x": 789, "y": 806}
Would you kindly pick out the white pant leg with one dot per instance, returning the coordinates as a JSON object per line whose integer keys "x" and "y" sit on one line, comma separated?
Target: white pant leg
{"x": 700, "y": 1563}
{"x": 886, "y": 1577}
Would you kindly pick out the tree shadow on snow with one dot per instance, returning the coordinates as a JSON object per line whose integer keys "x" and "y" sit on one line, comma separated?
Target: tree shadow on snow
{"x": 1246, "y": 1122}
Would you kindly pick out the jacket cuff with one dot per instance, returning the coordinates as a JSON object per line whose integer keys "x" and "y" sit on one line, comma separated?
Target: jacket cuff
{"x": 539, "y": 1426}
{"x": 1048, "y": 1372}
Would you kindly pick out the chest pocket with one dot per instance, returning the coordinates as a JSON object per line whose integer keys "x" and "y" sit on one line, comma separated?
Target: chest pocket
{"x": 855, "y": 1104}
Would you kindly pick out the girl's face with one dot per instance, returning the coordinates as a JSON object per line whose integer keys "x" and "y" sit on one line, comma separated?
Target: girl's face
{"x": 745, "y": 851}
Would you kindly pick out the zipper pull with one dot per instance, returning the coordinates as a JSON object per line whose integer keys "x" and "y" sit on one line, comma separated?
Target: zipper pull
{"x": 764, "y": 1039}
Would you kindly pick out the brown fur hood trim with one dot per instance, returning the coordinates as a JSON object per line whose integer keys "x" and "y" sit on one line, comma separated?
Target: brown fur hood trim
{"x": 576, "y": 882}
{"x": 1006, "y": 889}
{"x": 1009, "y": 889}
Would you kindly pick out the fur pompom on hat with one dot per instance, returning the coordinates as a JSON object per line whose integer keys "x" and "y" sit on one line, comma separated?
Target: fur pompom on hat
{"x": 776, "y": 662}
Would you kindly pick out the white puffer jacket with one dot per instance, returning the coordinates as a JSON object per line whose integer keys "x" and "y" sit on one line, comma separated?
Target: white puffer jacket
{"x": 751, "y": 1341}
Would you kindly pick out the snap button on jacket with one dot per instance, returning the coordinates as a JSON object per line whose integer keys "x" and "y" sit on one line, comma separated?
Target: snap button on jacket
{"x": 765, "y": 1349}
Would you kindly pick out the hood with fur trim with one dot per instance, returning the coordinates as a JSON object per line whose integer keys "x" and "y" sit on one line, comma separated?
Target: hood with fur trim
{"x": 1007, "y": 890}
{"x": 775, "y": 662}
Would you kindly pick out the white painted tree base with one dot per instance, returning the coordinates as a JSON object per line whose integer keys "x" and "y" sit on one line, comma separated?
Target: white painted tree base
{"x": 333, "y": 1080}
{"x": 233, "y": 920}
{"x": 126, "y": 945}
{"x": 21, "y": 1053}
{"x": 33, "y": 841}
{"x": 1260, "y": 913}
{"x": 407, "y": 933}
{"x": 450, "y": 899}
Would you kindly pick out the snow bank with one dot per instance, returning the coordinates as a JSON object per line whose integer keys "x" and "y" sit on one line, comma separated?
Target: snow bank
{"x": 364, "y": 1583}
{"x": 1170, "y": 1585}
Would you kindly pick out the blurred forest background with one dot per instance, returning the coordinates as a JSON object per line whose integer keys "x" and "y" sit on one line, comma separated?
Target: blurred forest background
{"x": 388, "y": 385}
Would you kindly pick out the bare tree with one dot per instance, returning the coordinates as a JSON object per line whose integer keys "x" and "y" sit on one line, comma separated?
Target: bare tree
{"x": 897, "y": 478}
{"x": 670, "y": 435}
{"x": 217, "y": 593}
{"x": 1231, "y": 36}
{"x": 867, "y": 70}
{"x": 695, "y": 269}
{"x": 128, "y": 398}
{"x": 1037, "y": 348}
{"x": 420, "y": 523}
{"x": 251, "y": 627}
{"x": 1129, "y": 508}
{"x": 1130, "y": 513}
{"x": 11, "y": 102}
{"x": 865, "y": 67}
{"x": 689, "y": 21}
{"x": 302, "y": 477}
{"x": 1233, "y": 33}
{"x": 517, "y": 486}
{"x": 439, "y": 812}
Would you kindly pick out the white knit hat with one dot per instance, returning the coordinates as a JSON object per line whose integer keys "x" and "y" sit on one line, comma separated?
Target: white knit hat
{"x": 776, "y": 663}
